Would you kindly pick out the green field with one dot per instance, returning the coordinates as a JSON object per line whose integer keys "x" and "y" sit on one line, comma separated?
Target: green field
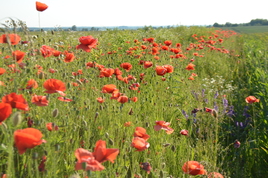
{"x": 84, "y": 91}
{"x": 248, "y": 29}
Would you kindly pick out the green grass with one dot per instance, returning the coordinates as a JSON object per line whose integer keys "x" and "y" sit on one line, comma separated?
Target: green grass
{"x": 248, "y": 29}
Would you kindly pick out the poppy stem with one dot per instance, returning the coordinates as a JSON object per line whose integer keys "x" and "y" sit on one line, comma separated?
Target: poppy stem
{"x": 39, "y": 21}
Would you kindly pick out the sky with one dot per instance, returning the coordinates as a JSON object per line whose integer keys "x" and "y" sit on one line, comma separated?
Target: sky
{"x": 66, "y": 13}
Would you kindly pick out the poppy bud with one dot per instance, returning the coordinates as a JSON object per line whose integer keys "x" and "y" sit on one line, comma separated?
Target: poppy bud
{"x": 78, "y": 81}
{"x": 41, "y": 75}
{"x": 161, "y": 173}
{"x": 166, "y": 144}
{"x": 146, "y": 166}
{"x": 17, "y": 118}
{"x": 111, "y": 142}
{"x": 55, "y": 112}
{"x": 96, "y": 115}
{"x": 215, "y": 113}
{"x": 107, "y": 134}
{"x": 173, "y": 148}
{"x": 74, "y": 176}
{"x": 57, "y": 147}
{"x": 237, "y": 144}
{"x": 85, "y": 123}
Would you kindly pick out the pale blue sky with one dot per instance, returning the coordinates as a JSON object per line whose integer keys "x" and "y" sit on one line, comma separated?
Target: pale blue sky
{"x": 65, "y": 13}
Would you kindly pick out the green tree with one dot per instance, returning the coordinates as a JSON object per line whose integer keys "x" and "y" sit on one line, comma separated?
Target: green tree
{"x": 74, "y": 28}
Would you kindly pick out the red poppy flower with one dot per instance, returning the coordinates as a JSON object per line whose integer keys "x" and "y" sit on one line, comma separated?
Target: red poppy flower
{"x": 100, "y": 100}
{"x": 122, "y": 99}
{"x": 106, "y": 72}
{"x": 14, "y": 39}
{"x": 160, "y": 70}
{"x": 118, "y": 71}
{"x": 163, "y": 125}
{"x": 127, "y": 66}
{"x": 141, "y": 132}
{"x": 102, "y": 154}
{"x": 164, "y": 48}
{"x": 51, "y": 126}
{"x": 52, "y": 70}
{"x": 2, "y": 83}
{"x": 134, "y": 99}
{"x": 87, "y": 43}
{"x": 150, "y": 40}
{"x": 140, "y": 144}
{"x": 88, "y": 40}
{"x": 64, "y": 99}
{"x": 252, "y": 99}
{"x": 109, "y": 88}
{"x": 156, "y": 57}
{"x": 69, "y": 57}
{"x": 7, "y": 57}
{"x": 169, "y": 68}
{"x": 93, "y": 160}
{"x": 5, "y": 111}
{"x": 56, "y": 53}
{"x": 91, "y": 64}
{"x": 86, "y": 161}
{"x": 127, "y": 124}
{"x": 155, "y": 51}
{"x": 147, "y": 64}
{"x": 40, "y": 6}
{"x": 40, "y": 100}
{"x": 27, "y": 138}
{"x": 115, "y": 95}
{"x": 46, "y": 51}
{"x": 168, "y": 42}
{"x": 193, "y": 168}
{"x": 41, "y": 166}
{"x": 190, "y": 66}
{"x": 2, "y": 71}
{"x": 18, "y": 56}
{"x": 215, "y": 175}
{"x": 31, "y": 84}
{"x": 4, "y": 176}
{"x": 16, "y": 101}
{"x": 54, "y": 86}
{"x": 83, "y": 47}
{"x": 184, "y": 132}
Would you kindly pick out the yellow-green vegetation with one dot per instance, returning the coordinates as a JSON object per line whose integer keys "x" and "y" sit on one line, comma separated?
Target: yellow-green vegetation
{"x": 225, "y": 133}
{"x": 247, "y": 29}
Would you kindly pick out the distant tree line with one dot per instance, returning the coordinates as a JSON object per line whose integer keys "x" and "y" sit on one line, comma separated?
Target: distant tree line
{"x": 254, "y": 22}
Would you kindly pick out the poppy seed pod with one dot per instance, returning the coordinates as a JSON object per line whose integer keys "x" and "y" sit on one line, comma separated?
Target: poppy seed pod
{"x": 17, "y": 118}
{"x": 215, "y": 113}
{"x": 96, "y": 115}
{"x": 111, "y": 142}
{"x": 55, "y": 112}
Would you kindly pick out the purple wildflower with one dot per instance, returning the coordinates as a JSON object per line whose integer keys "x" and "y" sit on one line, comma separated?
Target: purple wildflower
{"x": 185, "y": 114}
{"x": 216, "y": 94}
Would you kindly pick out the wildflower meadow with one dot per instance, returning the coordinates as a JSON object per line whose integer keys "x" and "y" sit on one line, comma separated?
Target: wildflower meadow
{"x": 172, "y": 103}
